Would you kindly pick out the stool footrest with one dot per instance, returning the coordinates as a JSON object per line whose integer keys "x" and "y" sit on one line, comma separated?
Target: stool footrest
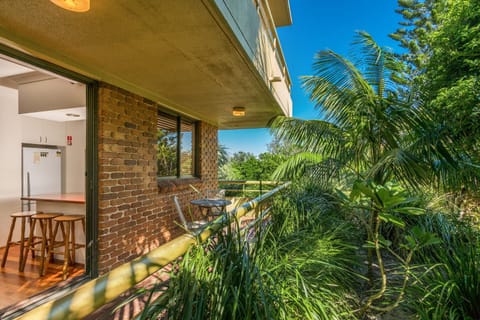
{"x": 66, "y": 224}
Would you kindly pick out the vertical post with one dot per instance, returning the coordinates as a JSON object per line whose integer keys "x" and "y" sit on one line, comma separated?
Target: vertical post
{"x": 179, "y": 147}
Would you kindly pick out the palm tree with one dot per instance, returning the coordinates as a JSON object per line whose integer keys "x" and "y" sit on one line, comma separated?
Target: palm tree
{"x": 369, "y": 130}
{"x": 222, "y": 155}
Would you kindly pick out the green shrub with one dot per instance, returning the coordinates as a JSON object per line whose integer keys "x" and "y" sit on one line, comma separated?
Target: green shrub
{"x": 301, "y": 266}
{"x": 220, "y": 280}
{"x": 450, "y": 288}
{"x": 311, "y": 254}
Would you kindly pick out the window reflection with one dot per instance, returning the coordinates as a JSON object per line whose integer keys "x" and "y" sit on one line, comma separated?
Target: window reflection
{"x": 175, "y": 143}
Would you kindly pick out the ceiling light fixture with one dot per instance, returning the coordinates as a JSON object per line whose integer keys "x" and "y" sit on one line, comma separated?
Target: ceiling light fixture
{"x": 238, "y": 111}
{"x": 73, "y": 5}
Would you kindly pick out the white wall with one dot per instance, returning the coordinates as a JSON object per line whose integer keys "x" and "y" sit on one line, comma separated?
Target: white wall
{"x": 75, "y": 157}
{"x": 10, "y": 159}
{"x": 10, "y": 148}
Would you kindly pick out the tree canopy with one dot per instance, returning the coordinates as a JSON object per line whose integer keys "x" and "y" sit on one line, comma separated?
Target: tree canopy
{"x": 442, "y": 38}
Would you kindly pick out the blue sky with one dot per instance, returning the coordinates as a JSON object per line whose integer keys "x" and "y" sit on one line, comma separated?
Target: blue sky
{"x": 318, "y": 25}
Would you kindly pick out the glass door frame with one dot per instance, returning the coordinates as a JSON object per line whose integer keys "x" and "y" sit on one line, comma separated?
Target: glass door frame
{"x": 91, "y": 153}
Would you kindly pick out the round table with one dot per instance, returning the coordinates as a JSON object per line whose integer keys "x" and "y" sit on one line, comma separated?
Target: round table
{"x": 207, "y": 205}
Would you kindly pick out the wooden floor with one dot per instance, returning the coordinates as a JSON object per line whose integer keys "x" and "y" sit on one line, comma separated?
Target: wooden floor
{"x": 17, "y": 286}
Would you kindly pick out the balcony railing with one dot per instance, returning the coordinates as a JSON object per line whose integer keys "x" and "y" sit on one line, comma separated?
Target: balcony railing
{"x": 247, "y": 188}
{"x": 94, "y": 294}
{"x": 276, "y": 67}
{"x": 253, "y": 24}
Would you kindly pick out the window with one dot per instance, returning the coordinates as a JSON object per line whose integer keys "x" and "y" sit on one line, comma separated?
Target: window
{"x": 176, "y": 146}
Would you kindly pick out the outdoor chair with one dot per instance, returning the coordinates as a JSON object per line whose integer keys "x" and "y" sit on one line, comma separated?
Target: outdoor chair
{"x": 188, "y": 225}
{"x": 216, "y": 194}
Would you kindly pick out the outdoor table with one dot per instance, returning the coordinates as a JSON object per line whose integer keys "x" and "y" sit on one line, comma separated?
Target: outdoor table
{"x": 207, "y": 206}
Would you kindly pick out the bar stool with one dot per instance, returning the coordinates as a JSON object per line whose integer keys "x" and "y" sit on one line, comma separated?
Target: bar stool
{"x": 45, "y": 222}
{"x": 24, "y": 216}
{"x": 67, "y": 225}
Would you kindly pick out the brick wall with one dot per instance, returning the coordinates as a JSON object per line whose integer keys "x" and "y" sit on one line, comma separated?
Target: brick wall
{"x": 136, "y": 212}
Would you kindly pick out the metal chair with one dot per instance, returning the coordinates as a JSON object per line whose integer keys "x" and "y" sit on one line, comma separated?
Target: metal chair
{"x": 188, "y": 225}
{"x": 216, "y": 194}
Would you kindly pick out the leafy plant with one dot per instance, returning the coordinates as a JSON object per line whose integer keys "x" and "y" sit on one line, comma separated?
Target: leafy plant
{"x": 315, "y": 274}
{"x": 311, "y": 253}
{"x": 367, "y": 130}
{"x": 383, "y": 204}
{"x": 450, "y": 286}
{"x": 219, "y": 280}
{"x": 296, "y": 269}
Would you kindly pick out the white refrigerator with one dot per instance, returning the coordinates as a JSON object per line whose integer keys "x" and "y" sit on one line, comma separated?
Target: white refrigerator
{"x": 41, "y": 170}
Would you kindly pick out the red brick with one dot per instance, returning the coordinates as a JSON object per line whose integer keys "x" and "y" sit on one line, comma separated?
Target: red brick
{"x": 132, "y": 206}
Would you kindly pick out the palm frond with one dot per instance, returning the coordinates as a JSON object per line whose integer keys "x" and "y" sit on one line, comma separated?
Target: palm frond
{"x": 310, "y": 135}
{"x": 337, "y": 87}
{"x": 296, "y": 166}
{"x": 380, "y": 68}
{"x": 330, "y": 170}
{"x": 371, "y": 126}
{"x": 401, "y": 165}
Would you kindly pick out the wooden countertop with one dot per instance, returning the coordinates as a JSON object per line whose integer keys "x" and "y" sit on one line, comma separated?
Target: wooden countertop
{"x": 62, "y": 197}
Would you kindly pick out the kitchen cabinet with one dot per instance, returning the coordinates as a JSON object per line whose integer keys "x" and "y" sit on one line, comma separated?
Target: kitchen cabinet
{"x": 40, "y": 131}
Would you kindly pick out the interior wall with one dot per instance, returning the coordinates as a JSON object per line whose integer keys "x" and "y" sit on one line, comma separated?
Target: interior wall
{"x": 10, "y": 135}
{"x": 75, "y": 157}
{"x": 10, "y": 158}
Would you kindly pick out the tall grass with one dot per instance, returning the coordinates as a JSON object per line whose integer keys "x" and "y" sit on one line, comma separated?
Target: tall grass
{"x": 302, "y": 266}
{"x": 314, "y": 275}
{"x": 220, "y": 280}
{"x": 450, "y": 289}
{"x": 309, "y": 249}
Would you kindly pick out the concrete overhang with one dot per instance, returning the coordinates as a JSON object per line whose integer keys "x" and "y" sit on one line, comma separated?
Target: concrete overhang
{"x": 280, "y": 12}
{"x": 180, "y": 53}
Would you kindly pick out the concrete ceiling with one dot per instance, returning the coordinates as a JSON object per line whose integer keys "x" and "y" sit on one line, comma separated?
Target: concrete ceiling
{"x": 178, "y": 53}
{"x": 8, "y": 69}
{"x": 13, "y": 74}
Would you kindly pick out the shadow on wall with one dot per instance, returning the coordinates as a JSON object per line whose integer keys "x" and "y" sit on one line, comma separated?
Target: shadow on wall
{"x": 143, "y": 246}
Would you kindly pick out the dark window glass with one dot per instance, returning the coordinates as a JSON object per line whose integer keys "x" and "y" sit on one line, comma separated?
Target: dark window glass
{"x": 175, "y": 141}
{"x": 187, "y": 156}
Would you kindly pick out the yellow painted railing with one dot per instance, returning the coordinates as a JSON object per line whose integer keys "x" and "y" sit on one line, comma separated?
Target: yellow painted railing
{"x": 94, "y": 294}
{"x": 247, "y": 187}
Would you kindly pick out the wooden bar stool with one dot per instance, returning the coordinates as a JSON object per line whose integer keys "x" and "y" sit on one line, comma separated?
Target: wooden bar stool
{"x": 67, "y": 225}
{"x": 46, "y": 239}
{"x": 24, "y": 216}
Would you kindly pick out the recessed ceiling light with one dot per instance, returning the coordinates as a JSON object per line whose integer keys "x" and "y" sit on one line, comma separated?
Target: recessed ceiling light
{"x": 238, "y": 111}
{"x": 73, "y": 5}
